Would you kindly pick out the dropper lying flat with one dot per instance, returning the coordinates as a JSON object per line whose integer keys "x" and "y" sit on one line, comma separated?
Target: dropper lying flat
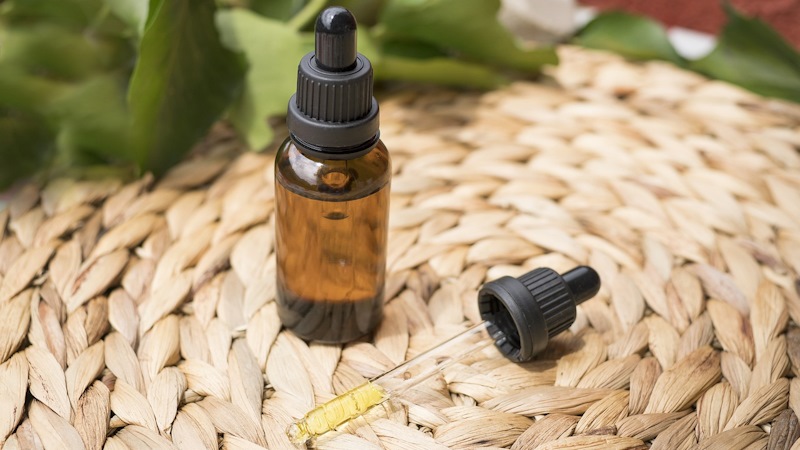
{"x": 357, "y": 401}
{"x": 520, "y": 316}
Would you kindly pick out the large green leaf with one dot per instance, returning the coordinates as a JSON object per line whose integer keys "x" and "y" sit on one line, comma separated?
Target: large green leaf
{"x": 273, "y": 50}
{"x": 752, "y": 55}
{"x": 630, "y": 35}
{"x": 466, "y": 27}
{"x": 184, "y": 79}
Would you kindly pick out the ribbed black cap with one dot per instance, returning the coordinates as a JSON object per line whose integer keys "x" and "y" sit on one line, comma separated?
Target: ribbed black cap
{"x": 333, "y": 111}
{"x": 523, "y": 313}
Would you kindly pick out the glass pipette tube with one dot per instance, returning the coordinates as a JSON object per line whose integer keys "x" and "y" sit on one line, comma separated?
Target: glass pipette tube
{"x": 392, "y": 383}
{"x": 520, "y": 316}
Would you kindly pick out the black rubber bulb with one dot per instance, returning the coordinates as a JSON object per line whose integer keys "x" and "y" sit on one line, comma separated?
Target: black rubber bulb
{"x": 334, "y": 115}
{"x": 336, "y": 40}
{"x": 524, "y": 313}
{"x": 583, "y": 282}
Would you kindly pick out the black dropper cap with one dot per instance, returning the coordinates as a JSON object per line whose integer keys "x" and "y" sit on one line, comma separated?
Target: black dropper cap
{"x": 523, "y": 313}
{"x": 333, "y": 115}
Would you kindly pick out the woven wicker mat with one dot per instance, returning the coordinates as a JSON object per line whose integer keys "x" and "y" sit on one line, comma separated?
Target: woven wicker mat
{"x": 142, "y": 315}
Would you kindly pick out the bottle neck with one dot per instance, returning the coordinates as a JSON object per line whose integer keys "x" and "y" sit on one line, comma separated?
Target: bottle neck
{"x": 328, "y": 153}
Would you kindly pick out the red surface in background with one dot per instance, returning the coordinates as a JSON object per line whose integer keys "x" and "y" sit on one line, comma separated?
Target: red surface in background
{"x": 707, "y": 15}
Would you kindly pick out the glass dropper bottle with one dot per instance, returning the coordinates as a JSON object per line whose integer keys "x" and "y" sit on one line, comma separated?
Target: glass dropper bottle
{"x": 332, "y": 181}
{"x": 520, "y": 316}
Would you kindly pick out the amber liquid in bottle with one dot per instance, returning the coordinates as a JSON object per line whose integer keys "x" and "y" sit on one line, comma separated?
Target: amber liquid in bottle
{"x": 331, "y": 233}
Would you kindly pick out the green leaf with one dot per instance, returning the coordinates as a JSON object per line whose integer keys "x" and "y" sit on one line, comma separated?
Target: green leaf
{"x": 367, "y": 12}
{"x": 21, "y": 91}
{"x": 86, "y": 16}
{"x": 132, "y": 12}
{"x": 76, "y": 14}
{"x": 273, "y": 50}
{"x": 751, "y": 54}
{"x": 306, "y": 17}
{"x": 93, "y": 122}
{"x": 282, "y": 10}
{"x": 416, "y": 62}
{"x": 444, "y": 71}
{"x": 412, "y": 49}
{"x": 56, "y": 52}
{"x": 367, "y": 46}
{"x": 630, "y": 35}
{"x": 184, "y": 79}
{"x": 467, "y": 27}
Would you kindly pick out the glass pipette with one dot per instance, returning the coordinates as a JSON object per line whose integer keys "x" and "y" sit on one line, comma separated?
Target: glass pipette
{"x": 520, "y": 316}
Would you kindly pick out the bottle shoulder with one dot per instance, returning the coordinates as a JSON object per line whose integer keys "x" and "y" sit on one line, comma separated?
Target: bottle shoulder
{"x": 332, "y": 179}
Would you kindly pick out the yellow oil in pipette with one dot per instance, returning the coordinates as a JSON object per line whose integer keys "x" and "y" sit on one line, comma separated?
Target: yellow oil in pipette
{"x": 330, "y": 415}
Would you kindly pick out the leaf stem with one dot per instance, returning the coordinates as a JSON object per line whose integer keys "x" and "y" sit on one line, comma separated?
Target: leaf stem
{"x": 305, "y": 15}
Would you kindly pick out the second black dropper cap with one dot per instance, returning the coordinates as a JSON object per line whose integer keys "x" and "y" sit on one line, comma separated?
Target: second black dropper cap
{"x": 333, "y": 115}
{"x": 523, "y": 313}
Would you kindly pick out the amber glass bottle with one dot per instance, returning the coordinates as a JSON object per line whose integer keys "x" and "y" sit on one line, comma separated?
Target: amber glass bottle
{"x": 332, "y": 193}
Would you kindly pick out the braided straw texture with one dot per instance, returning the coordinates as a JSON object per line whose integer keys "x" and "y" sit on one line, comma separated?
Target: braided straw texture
{"x": 142, "y": 316}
